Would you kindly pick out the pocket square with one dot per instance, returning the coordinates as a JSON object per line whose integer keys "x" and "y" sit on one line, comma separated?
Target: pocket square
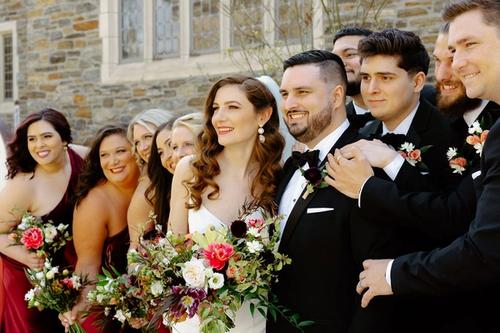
{"x": 318, "y": 210}
{"x": 476, "y": 174}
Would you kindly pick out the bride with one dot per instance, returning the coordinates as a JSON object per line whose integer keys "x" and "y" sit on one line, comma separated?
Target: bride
{"x": 239, "y": 161}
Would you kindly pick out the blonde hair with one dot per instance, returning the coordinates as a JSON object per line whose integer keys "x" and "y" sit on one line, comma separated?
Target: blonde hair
{"x": 150, "y": 119}
{"x": 192, "y": 121}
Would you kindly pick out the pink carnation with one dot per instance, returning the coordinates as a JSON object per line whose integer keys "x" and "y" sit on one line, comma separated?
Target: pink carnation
{"x": 218, "y": 254}
{"x": 32, "y": 238}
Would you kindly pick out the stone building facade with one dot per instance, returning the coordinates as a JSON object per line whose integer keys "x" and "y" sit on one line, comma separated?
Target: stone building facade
{"x": 105, "y": 61}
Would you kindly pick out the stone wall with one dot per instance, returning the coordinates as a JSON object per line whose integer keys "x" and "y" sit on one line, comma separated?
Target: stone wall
{"x": 60, "y": 50}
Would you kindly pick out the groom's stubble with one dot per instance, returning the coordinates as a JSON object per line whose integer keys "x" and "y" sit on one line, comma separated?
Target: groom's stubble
{"x": 316, "y": 124}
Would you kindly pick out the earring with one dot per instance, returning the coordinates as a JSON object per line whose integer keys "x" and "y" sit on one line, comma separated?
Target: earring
{"x": 65, "y": 147}
{"x": 262, "y": 138}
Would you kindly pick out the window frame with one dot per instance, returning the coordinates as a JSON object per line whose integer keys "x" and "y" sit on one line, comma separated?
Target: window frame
{"x": 8, "y": 106}
{"x": 185, "y": 64}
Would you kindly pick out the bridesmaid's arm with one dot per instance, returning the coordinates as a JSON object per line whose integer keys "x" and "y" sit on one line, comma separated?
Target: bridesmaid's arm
{"x": 90, "y": 219}
{"x": 178, "y": 218}
{"x": 138, "y": 213}
{"x": 13, "y": 203}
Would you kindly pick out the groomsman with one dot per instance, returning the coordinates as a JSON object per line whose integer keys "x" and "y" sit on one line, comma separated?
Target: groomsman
{"x": 394, "y": 66}
{"x": 345, "y": 45}
{"x": 470, "y": 266}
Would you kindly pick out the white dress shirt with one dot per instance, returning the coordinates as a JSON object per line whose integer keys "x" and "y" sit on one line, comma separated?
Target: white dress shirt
{"x": 358, "y": 109}
{"x": 297, "y": 183}
{"x": 471, "y": 115}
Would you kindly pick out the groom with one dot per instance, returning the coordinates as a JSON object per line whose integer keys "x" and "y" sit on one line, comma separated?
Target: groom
{"x": 318, "y": 229}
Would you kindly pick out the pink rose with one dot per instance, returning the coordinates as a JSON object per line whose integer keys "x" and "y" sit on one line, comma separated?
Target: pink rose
{"x": 32, "y": 238}
{"x": 484, "y": 135}
{"x": 473, "y": 139}
{"x": 218, "y": 254}
{"x": 256, "y": 223}
{"x": 67, "y": 282}
{"x": 460, "y": 161}
{"x": 403, "y": 154}
{"x": 415, "y": 155}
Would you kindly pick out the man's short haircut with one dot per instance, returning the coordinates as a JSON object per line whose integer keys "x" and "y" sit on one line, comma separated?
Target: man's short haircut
{"x": 330, "y": 65}
{"x": 351, "y": 31}
{"x": 413, "y": 56}
{"x": 444, "y": 28}
{"x": 490, "y": 10}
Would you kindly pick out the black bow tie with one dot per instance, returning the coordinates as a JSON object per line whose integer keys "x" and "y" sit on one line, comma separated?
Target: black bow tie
{"x": 311, "y": 157}
{"x": 391, "y": 139}
{"x": 360, "y": 120}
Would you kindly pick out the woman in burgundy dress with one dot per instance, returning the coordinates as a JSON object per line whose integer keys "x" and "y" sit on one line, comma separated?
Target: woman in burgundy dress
{"x": 106, "y": 185}
{"x": 42, "y": 171}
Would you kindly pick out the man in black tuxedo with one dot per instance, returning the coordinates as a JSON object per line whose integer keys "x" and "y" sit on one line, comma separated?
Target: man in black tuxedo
{"x": 470, "y": 265}
{"x": 322, "y": 232}
{"x": 345, "y": 45}
{"x": 394, "y": 65}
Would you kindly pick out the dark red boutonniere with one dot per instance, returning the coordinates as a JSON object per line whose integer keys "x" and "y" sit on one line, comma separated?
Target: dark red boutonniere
{"x": 315, "y": 179}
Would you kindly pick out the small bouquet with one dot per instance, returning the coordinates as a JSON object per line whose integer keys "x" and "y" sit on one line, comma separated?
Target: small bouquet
{"x": 56, "y": 290}
{"x": 36, "y": 235}
{"x": 413, "y": 155}
{"x": 477, "y": 137}
{"x": 119, "y": 298}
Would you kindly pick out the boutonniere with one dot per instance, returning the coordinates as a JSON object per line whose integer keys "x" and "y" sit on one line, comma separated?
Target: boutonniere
{"x": 457, "y": 162}
{"x": 315, "y": 179}
{"x": 477, "y": 137}
{"x": 413, "y": 155}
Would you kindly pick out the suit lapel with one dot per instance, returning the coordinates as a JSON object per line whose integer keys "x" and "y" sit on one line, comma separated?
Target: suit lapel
{"x": 288, "y": 172}
{"x": 420, "y": 123}
{"x": 293, "y": 219}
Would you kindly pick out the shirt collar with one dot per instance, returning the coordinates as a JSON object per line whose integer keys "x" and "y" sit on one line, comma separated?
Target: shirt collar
{"x": 325, "y": 145}
{"x": 471, "y": 115}
{"x": 358, "y": 109}
{"x": 404, "y": 126}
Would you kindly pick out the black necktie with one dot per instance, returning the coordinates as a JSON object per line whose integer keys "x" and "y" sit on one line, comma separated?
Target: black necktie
{"x": 311, "y": 157}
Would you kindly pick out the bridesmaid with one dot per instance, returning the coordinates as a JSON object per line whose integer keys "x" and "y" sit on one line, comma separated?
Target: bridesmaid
{"x": 105, "y": 187}
{"x": 140, "y": 133}
{"x": 185, "y": 132}
{"x": 42, "y": 172}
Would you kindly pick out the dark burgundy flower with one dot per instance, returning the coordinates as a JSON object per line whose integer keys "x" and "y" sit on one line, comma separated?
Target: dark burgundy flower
{"x": 313, "y": 175}
{"x": 239, "y": 228}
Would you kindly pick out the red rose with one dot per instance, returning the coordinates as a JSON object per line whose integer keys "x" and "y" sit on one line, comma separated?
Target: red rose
{"x": 218, "y": 254}
{"x": 415, "y": 155}
{"x": 484, "y": 135}
{"x": 32, "y": 238}
{"x": 67, "y": 282}
{"x": 460, "y": 161}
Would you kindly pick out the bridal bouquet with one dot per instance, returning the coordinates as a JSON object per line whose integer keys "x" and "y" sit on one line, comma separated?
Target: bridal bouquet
{"x": 56, "y": 290}
{"x": 210, "y": 274}
{"x": 36, "y": 235}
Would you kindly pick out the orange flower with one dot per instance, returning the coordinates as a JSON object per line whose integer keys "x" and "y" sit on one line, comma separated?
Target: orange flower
{"x": 484, "y": 135}
{"x": 460, "y": 161}
{"x": 473, "y": 139}
{"x": 415, "y": 155}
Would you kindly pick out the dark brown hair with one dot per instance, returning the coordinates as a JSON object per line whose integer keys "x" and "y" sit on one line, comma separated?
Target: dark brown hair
{"x": 405, "y": 45}
{"x": 265, "y": 155}
{"x": 19, "y": 158}
{"x": 92, "y": 173}
{"x": 490, "y": 10}
{"x": 158, "y": 191}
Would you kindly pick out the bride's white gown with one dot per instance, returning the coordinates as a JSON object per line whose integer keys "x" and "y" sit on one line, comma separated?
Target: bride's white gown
{"x": 200, "y": 220}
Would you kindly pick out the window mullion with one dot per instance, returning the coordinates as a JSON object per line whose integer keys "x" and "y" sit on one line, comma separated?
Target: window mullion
{"x": 148, "y": 30}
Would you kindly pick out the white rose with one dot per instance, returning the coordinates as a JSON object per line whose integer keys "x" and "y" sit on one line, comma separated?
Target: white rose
{"x": 50, "y": 274}
{"x": 29, "y": 295}
{"x": 61, "y": 227}
{"x": 156, "y": 288}
{"x": 50, "y": 233}
{"x": 216, "y": 281}
{"x": 254, "y": 246}
{"x": 120, "y": 316}
{"x": 253, "y": 232}
{"x": 40, "y": 276}
{"x": 193, "y": 273}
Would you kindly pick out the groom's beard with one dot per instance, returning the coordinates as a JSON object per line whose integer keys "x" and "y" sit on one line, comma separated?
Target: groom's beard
{"x": 353, "y": 88}
{"x": 315, "y": 125}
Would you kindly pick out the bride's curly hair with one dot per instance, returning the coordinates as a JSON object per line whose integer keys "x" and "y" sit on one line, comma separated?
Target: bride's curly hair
{"x": 265, "y": 155}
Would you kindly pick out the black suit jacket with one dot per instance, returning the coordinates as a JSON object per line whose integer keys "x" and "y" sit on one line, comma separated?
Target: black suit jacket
{"x": 467, "y": 270}
{"x": 428, "y": 128}
{"x": 327, "y": 249}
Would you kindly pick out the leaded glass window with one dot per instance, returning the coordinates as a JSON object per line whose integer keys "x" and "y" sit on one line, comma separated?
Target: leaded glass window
{"x": 167, "y": 28}
{"x": 205, "y": 26}
{"x": 132, "y": 30}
